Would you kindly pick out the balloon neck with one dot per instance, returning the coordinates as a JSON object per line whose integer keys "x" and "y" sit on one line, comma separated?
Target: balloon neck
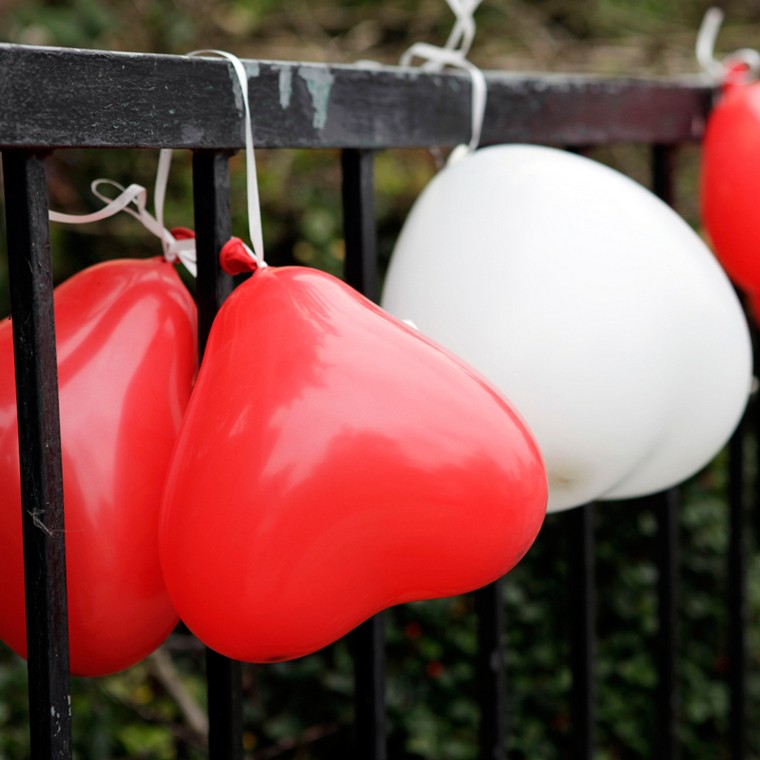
{"x": 737, "y": 74}
{"x": 236, "y": 258}
{"x": 182, "y": 233}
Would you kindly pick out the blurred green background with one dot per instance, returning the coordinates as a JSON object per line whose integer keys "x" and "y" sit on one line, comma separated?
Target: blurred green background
{"x": 302, "y": 710}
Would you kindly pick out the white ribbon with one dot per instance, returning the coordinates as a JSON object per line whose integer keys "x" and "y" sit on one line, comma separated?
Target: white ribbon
{"x": 255, "y": 232}
{"x": 133, "y": 199}
{"x": 454, "y": 53}
{"x": 705, "y": 49}
{"x": 463, "y": 32}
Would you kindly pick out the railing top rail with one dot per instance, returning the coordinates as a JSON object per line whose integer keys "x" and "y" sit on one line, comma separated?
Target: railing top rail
{"x": 71, "y": 98}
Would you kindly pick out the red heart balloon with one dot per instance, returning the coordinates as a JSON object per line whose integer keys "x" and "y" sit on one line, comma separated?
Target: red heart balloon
{"x": 126, "y": 342}
{"x": 730, "y": 182}
{"x": 334, "y": 462}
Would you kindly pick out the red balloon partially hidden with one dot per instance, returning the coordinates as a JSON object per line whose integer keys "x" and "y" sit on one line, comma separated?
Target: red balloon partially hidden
{"x": 334, "y": 462}
{"x": 730, "y": 181}
{"x": 126, "y": 342}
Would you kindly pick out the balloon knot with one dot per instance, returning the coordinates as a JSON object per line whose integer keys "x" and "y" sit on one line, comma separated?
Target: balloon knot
{"x": 737, "y": 73}
{"x": 236, "y": 258}
{"x": 182, "y": 233}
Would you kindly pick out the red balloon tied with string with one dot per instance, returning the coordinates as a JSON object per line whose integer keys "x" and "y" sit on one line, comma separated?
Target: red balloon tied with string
{"x": 127, "y": 359}
{"x": 730, "y": 178}
{"x": 334, "y": 462}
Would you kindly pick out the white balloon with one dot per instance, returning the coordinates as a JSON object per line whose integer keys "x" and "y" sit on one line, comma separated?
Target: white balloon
{"x": 594, "y": 308}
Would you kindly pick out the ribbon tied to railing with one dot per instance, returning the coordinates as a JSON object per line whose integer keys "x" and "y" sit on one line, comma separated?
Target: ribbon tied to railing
{"x": 454, "y": 54}
{"x": 744, "y": 61}
{"x": 179, "y": 243}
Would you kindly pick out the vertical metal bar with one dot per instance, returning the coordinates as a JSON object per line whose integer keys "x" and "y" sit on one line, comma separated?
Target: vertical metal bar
{"x": 581, "y": 533}
{"x": 583, "y": 599}
{"x": 211, "y": 193}
{"x": 489, "y": 607}
{"x": 213, "y": 228}
{"x": 225, "y": 707}
{"x": 737, "y": 566}
{"x": 368, "y": 640}
{"x": 359, "y": 226}
{"x": 663, "y": 172}
{"x": 666, "y": 507}
{"x": 368, "y": 646}
{"x": 31, "y": 287}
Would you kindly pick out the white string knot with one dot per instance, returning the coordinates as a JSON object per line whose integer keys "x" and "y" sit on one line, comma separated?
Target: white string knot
{"x": 133, "y": 201}
{"x": 179, "y": 244}
{"x": 745, "y": 59}
{"x": 454, "y": 54}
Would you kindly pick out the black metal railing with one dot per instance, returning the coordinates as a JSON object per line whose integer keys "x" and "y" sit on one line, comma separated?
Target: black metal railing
{"x": 135, "y": 101}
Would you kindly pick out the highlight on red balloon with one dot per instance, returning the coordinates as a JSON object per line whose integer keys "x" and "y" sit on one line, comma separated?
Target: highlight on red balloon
{"x": 127, "y": 359}
{"x": 334, "y": 462}
{"x": 730, "y": 180}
